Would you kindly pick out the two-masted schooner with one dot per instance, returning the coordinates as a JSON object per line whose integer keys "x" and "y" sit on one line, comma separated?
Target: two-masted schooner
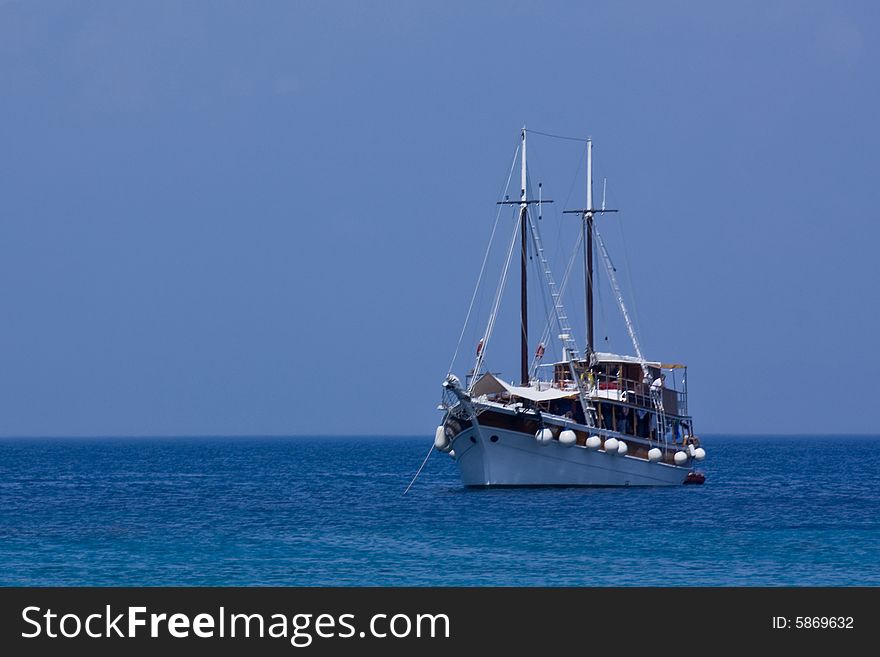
{"x": 595, "y": 418}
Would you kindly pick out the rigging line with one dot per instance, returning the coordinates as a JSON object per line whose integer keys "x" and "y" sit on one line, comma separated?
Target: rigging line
{"x": 530, "y": 243}
{"x": 419, "y": 471}
{"x": 545, "y": 336}
{"x": 540, "y": 274}
{"x": 559, "y": 241}
{"x": 603, "y": 321}
{"x": 547, "y": 134}
{"x": 632, "y": 291}
{"x": 531, "y": 249}
{"x": 534, "y": 156}
{"x": 555, "y": 209}
{"x": 609, "y": 268}
{"x": 498, "y": 294}
{"x": 574, "y": 181}
{"x": 483, "y": 267}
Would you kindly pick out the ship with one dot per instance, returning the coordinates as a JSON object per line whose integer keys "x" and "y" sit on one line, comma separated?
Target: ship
{"x": 591, "y": 418}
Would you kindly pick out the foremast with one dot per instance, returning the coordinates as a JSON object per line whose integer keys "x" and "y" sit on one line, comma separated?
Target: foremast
{"x": 523, "y": 203}
{"x": 523, "y": 289}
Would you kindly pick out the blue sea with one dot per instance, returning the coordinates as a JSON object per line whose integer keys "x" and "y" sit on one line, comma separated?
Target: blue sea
{"x": 330, "y": 511}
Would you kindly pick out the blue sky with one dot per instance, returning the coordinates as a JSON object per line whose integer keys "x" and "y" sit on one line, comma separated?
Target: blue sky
{"x": 267, "y": 218}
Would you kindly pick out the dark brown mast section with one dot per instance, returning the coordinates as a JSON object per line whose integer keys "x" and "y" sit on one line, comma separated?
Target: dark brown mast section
{"x": 588, "y": 258}
{"x": 523, "y": 294}
{"x": 587, "y": 214}
{"x": 524, "y": 203}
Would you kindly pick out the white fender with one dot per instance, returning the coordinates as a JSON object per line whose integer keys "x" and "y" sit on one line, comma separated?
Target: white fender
{"x": 680, "y": 458}
{"x": 594, "y": 443}
{"x": 654, "y": 454}
{"x": 441, "y": 442}
{"x": 699, "y": 453}
{"x": 544, "y": 436}
{"x": 567, "y": 437}
{"x": 622, "y": 449}
{"x": 611, "y": 445}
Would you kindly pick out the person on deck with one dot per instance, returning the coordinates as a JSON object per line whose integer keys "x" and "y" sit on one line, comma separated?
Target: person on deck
{"x": 642, "y": 424}
{"x": 657, "y": 389}
{"x": 624, "y": 420}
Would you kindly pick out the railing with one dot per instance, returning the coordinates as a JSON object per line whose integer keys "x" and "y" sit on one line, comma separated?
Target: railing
{"x": 629, "y": 391}
{"x": 624, "y": 408}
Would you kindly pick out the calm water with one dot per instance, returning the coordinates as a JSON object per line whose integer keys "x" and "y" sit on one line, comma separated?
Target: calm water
{"x": 774, "y": 511}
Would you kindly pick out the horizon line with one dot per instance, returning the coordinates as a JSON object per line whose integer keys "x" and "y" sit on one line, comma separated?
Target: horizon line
{"x": 374, "y": 435}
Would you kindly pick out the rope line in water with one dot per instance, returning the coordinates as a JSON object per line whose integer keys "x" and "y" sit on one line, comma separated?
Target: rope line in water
{"x": 419, "y": 471}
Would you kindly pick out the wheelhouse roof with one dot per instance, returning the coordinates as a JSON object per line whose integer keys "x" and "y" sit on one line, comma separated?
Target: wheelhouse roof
{"x": 607, "y": 357}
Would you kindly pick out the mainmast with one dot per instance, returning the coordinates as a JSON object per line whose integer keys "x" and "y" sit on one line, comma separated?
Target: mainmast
{"x": 588, "y": 249}
{"x": 587, "y": 214}
{"x": 523, "y": 292}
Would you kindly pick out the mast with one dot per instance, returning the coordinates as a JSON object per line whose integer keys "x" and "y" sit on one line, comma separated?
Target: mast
{"x": 523, "y": 204}
{"x": 588, "y": 249}
{"x": 524, "y": 300}
{"x": 587, "y": 214}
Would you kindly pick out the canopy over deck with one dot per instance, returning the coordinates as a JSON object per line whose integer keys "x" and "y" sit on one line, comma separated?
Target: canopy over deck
{"x": 605, "y": 357}
{"x": 489, "y": 383}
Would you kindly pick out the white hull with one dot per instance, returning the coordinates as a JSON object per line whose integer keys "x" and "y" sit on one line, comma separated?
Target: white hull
{"x": 517, "y": 459}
